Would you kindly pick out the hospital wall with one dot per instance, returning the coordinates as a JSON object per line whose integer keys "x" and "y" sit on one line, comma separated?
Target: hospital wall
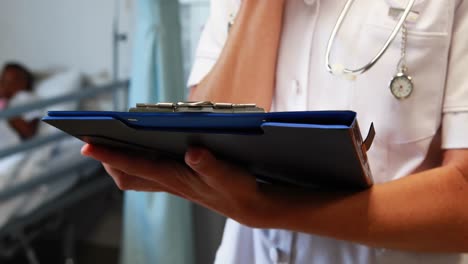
{"x": 56, "y": 34}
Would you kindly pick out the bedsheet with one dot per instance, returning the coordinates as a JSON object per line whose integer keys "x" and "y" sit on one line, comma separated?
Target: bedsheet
{"x": 23, "y": 167}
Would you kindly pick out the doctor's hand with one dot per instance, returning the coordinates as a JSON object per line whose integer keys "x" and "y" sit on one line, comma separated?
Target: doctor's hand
{"x": 203, "y": 179}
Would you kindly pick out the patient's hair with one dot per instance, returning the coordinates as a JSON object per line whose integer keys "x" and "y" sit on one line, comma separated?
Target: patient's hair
{"x": 25, "y": 71}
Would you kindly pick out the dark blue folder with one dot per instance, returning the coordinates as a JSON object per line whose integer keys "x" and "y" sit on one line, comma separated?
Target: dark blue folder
{"x": 315, "y": 149}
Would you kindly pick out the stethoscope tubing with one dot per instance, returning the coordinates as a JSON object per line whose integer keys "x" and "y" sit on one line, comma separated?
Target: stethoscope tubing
{"x": 382, "y": 51}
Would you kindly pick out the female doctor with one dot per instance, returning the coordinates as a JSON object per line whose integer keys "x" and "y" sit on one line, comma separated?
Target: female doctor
{"x": 274, "y": 54}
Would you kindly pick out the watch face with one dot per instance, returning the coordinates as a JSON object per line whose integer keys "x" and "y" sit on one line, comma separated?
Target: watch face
{"x": 401, "y": 86}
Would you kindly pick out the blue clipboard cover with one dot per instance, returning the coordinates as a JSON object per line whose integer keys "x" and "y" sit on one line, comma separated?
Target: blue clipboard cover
{"x": 311, "y": 149}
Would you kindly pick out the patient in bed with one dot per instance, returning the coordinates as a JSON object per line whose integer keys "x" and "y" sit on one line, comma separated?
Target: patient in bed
{"x": 16, "y": 88}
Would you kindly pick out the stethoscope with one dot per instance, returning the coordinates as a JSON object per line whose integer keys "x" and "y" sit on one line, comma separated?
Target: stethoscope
{"x": 401, "y": 85}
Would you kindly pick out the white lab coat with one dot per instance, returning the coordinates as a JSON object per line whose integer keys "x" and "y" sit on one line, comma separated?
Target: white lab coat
{"x": 410, "y": 133}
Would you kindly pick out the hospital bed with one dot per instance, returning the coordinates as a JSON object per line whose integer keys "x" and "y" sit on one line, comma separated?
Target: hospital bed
{"x": 42, "y": 176}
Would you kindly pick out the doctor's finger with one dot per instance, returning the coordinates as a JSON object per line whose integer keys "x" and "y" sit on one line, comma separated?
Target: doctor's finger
{"x": 169, "y": 174}
{"x": 117, "y": 158}
{"x": 217, "y": 173}
{"x": 127, "y": 182}
{"x": 131, "y": 164}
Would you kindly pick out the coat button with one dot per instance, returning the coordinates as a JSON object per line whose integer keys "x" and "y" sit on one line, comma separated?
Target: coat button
{"x": 274, "y": 255}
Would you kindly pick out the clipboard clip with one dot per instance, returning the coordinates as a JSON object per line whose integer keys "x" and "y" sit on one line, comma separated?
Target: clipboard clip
{"x": 197, "y": 107}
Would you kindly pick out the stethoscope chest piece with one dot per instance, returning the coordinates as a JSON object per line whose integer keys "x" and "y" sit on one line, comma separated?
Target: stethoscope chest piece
{"x": 401, "y": 86}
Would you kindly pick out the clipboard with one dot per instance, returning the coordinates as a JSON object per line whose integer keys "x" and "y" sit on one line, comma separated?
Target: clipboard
{"x": 310, "y": 149}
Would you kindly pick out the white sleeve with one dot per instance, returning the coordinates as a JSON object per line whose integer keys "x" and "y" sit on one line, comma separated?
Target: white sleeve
{"x": 213, "y": 38}
{"x": 455, "y": 112}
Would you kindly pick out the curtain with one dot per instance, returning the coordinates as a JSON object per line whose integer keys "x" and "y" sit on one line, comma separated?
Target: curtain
{"x": 157, "y": 227}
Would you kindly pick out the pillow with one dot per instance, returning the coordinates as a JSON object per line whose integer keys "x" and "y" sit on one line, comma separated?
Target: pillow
{"x": 59, "y": 84}
{"x": 98, "y": 102}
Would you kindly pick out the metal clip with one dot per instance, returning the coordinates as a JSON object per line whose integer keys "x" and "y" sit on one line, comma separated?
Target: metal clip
{"x": 396, "y": 14}
{"x": 197, "y": 107}
{"x": 159, "y": 107}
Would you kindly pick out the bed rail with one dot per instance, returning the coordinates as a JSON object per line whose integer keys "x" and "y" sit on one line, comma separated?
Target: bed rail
{"x": 73, "y": 196}
{"x": 45, "y": 178}
{"x": 89, "y": 92}
{"x": 76, "y": 96}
